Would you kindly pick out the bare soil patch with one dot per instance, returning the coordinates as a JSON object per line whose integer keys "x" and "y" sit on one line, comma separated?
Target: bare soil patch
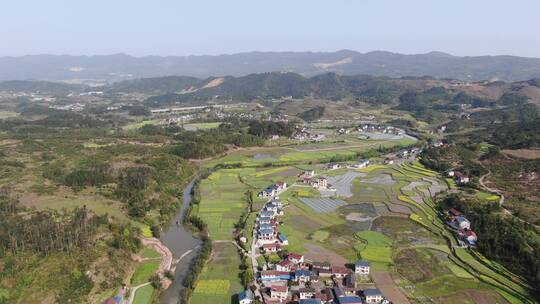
{"x": 213, "y": 83}
{"x": 385, "y": 179}
{"x": 304, "y": 223}
{"x": 326, "y": 65}
{"x": 397, "y": 208}
{"x": 479, "y": 297}
{"x": 523, "y": 153}
{"x": 318, "y": 253}
{"x": 388, "y": 287}
{"x": 533, "y": 93}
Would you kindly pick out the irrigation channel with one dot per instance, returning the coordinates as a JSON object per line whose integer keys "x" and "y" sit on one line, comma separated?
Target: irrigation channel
{"x": 182, "y": 244}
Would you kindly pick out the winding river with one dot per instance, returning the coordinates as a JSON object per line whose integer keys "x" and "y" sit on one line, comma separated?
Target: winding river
{"x": 183, "y": 245}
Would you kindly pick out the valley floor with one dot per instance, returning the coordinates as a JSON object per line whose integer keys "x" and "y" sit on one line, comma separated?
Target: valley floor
{"x": 388, "y": 218}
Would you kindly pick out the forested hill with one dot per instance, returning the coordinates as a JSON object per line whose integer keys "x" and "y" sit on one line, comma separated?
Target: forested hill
{"x": 39, "y": 86}
{"x": 413, "y": 92}
{"x": 379, "y": 63}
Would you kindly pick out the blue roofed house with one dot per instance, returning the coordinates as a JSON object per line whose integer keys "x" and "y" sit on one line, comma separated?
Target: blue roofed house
{"x": 265, "y": 227}
{"x": 266, "y": 214}
{"x": 373, "y": 295}
{"x": 362, "y": 267}
{"x": 302, "y": 275}
{"x": 246, "y": 297}
{"x": 349, "y": 300}
{"x": 282, "y": 238}
{"x": 310, "y": 301}
{"x": 270, "y": 191}
{"x": 264, "y": 220}
{"x": 267, "y": 234}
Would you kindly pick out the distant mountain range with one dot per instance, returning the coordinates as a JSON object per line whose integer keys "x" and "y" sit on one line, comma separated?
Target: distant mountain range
{"x": 379, "y": 63}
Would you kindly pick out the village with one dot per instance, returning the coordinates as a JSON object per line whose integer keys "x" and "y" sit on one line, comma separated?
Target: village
{"x": 295, "y": 279}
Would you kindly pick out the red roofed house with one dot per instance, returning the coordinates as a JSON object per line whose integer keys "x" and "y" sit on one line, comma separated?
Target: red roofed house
{"x": 285, "y": 265}
{"x": 279, "y": 292}
{"x": 454, "y": 212}
{"x": 271, "y": 247}
{"x": 340, "y": 272}
{"x": 296, "y": 258}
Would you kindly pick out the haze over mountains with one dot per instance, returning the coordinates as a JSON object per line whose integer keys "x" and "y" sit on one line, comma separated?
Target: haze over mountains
{"x": 380, "y": 63}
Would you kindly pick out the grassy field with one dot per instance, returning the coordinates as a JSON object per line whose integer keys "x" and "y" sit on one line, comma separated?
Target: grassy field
{"x": 144, "y": 295}
{"x": 65, "y": 198}
{"x": 138, "y": 125}
{"x": 149, "y": 253}
{"x": 202, "y": 125}
{"x": 219, "y": 281}
{"x": 144, "y": 271}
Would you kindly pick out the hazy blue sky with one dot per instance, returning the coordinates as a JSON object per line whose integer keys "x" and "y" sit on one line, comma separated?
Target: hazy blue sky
{"x": 176, "y": 27}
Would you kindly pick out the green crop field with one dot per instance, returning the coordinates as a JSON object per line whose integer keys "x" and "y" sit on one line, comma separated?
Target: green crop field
{"x": 219, "y": 279}
{"x": 222, "y": 202}
{"x": 375, "y": 246}
{"x": 213, "y": 287}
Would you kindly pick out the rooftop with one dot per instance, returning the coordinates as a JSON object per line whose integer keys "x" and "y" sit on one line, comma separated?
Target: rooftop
{"x": 362, "y": 263}
{"x": 372, "y": 292}
{"x": 280, "y": 288}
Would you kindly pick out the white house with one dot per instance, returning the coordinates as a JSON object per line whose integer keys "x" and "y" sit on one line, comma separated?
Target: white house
{"x": 461, "y": 178}
{"x": 320, "y": 183}
{"x": 307, "y": 292}
{"x": 362, "y": 267}
{"x": 302, "y": 275}
{"x": 279, "y": 292}
{"x": 389, "y": 161}
{"x": 246, "y": 297}
{"x": 296, "y": 258}
{"x": 284, "y": 265}
{"x": 333, "y": 166}
{"x": 283, "y": 240}
{"x": 463, "y": 223}
{"x": 267, "y": 234}
{"x": 373, "y": 295}
{"x": 362, "y": 163}
{"x": 271, "y": 248}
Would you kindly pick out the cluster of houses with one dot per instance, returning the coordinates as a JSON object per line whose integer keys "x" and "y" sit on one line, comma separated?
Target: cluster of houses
{"x": 296, "y": 280}
{"x": 268, "y": 237}
{"x": 317, "y": 182}
{"x": 459, "y": 177}
{"x": 273, "y": 190}
{"x": 380, "y": 129}
{"x": 456, "y": 220}
{"x": 303, "y": 134}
